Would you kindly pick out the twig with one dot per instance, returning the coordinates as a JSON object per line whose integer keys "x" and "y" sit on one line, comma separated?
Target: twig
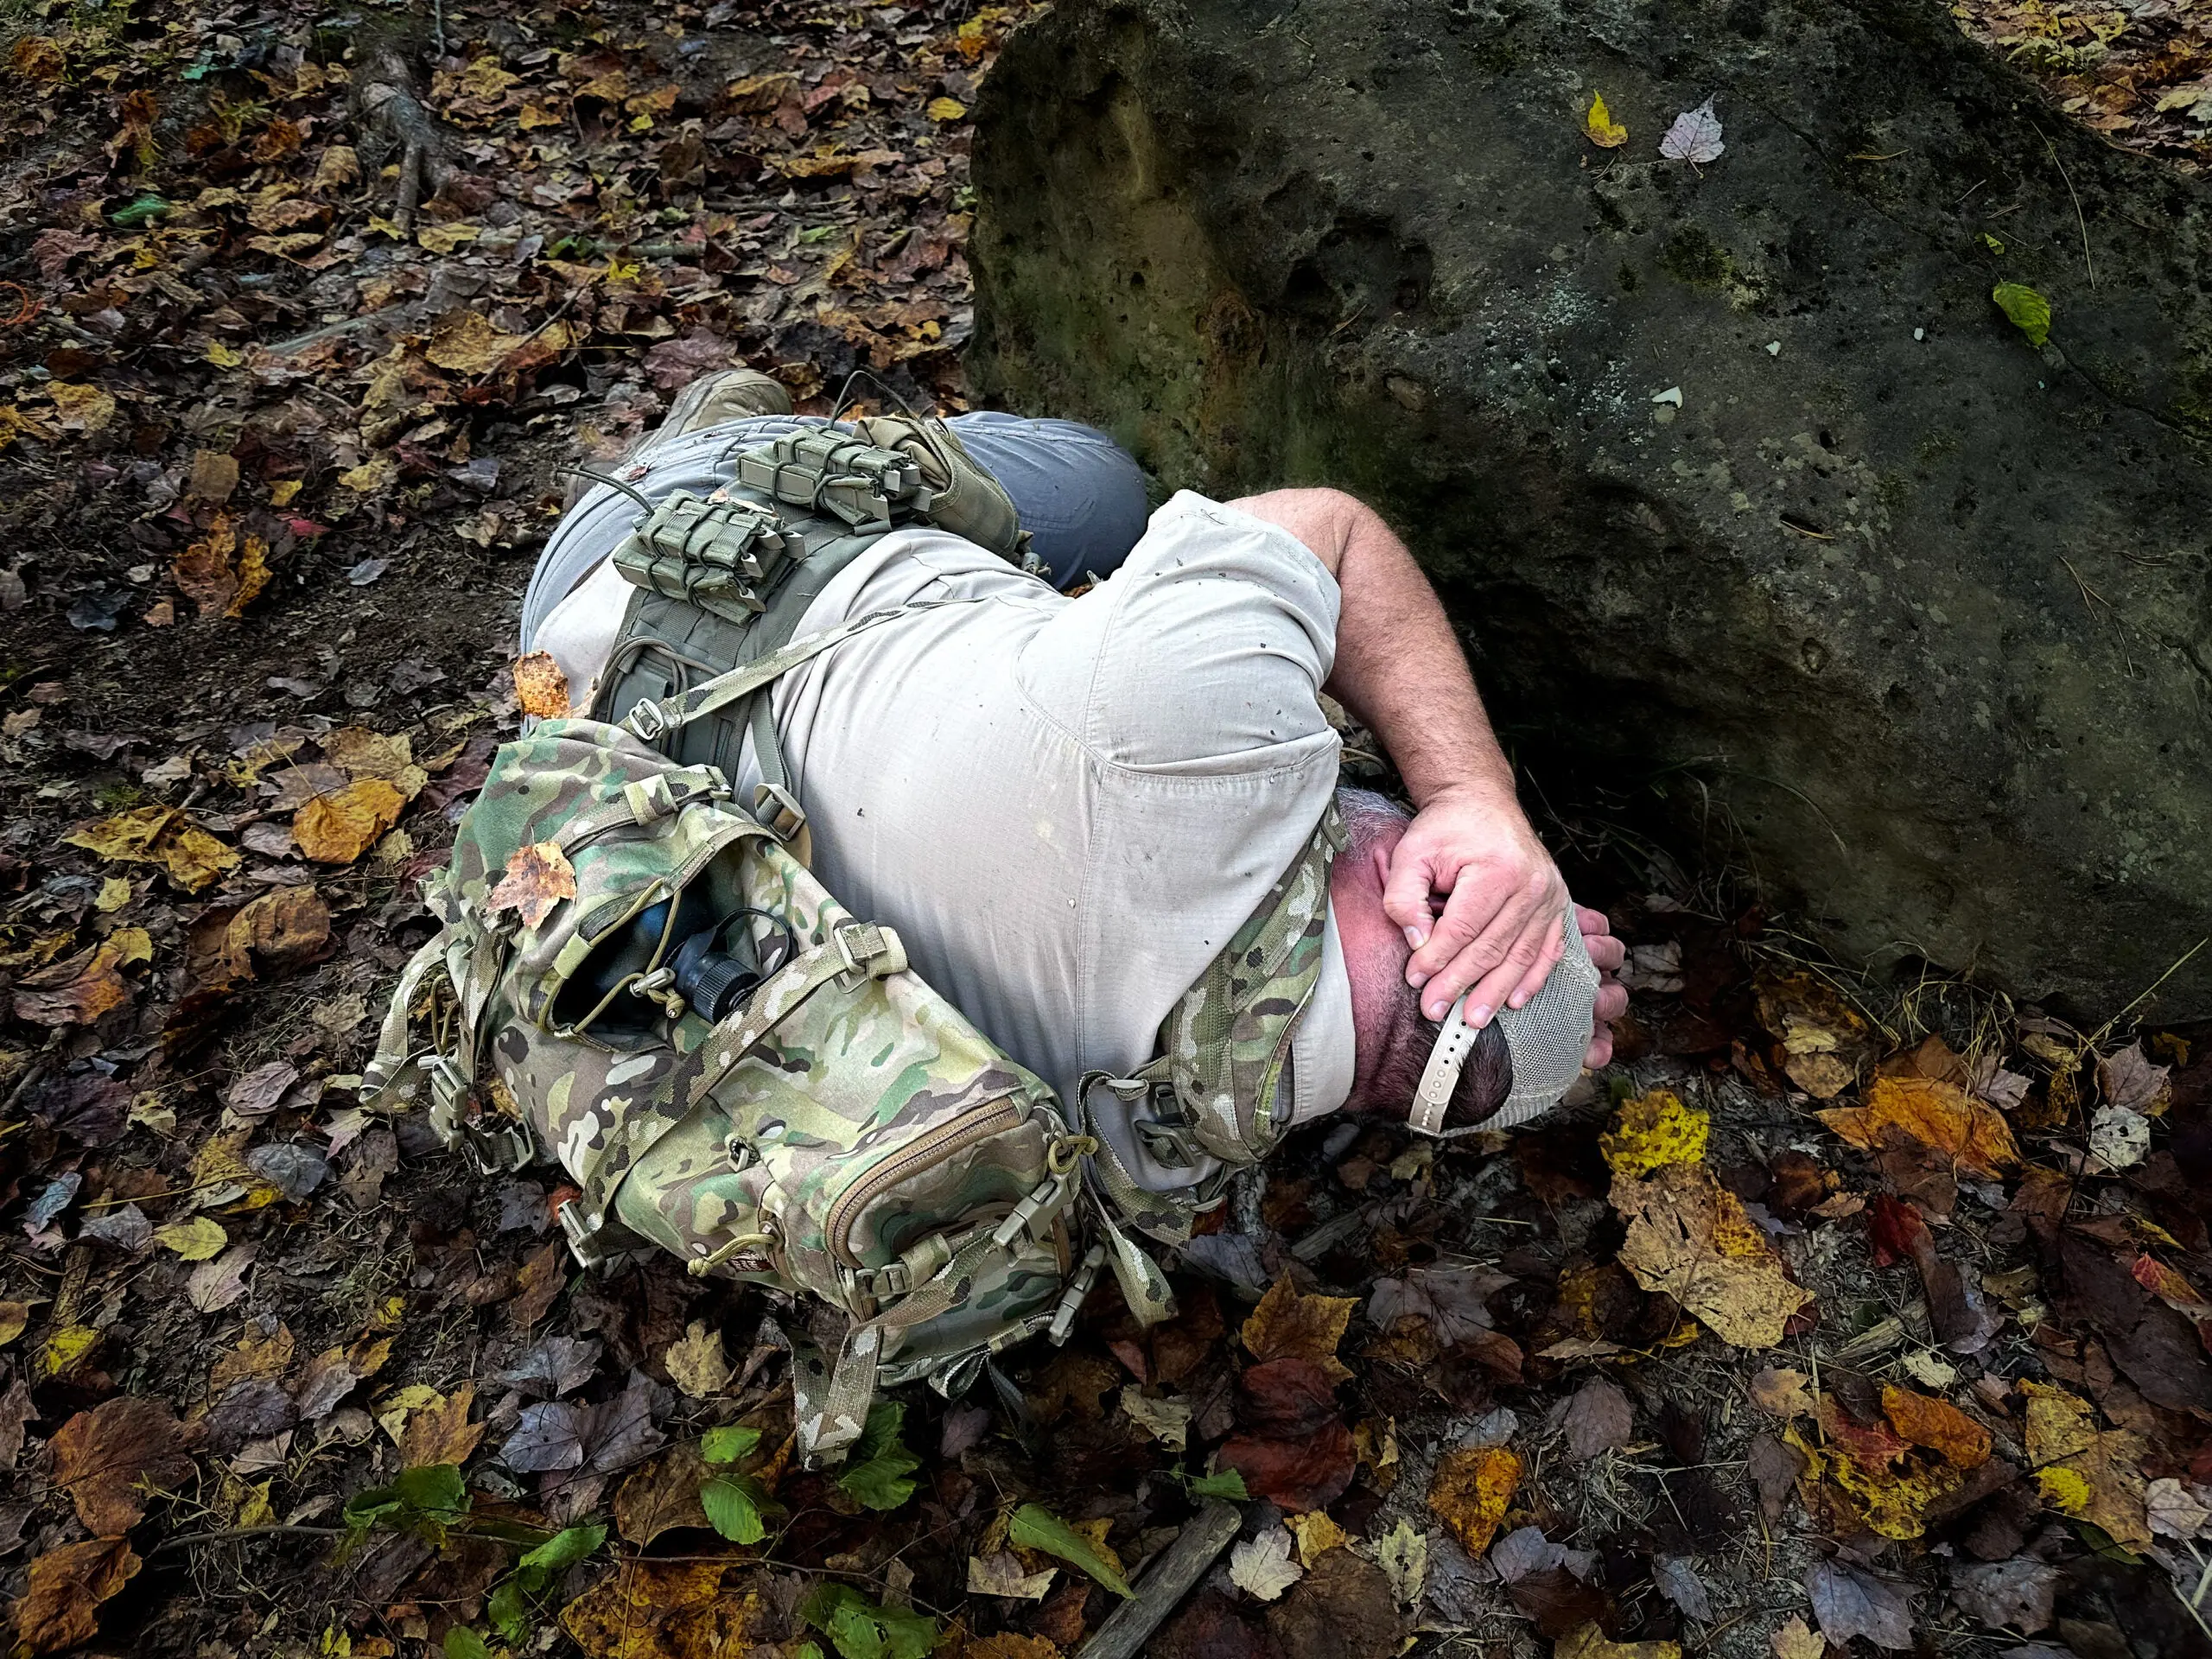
{"x": 1180, "y": 1566}
{"x": 2080, "y": 218}
{"x": 229, "y": 1533}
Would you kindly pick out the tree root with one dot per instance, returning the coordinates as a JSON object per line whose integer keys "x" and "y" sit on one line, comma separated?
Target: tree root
{"x": 388, "y": 103}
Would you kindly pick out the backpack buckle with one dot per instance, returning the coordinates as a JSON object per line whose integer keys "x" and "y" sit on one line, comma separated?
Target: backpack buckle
{"x": 582, "y": 1233}
{"x": 779, "y": 809}
{"x": 498, "y": 1145}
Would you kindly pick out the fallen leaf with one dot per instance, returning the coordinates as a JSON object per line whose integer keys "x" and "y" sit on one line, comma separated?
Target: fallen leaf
{"x": 463, "y": 340}
{"x": 1262, "y": 1567}
{"x": 1825, "y": 1040}
{"x": 1001, "y": 1574}
{"x": 2014, "y": 1595}
{"x": 74, "y": 992}
{"x": 214, "y": 1286}
{"x": 1847, "y": 1602}
{"x": 1785, "y": 1394}
{"x": 668, "y": 1609}
{"x": 946, "y": 109}
{"x": 359, "y": 752}
{"x": 541, "y": 688}
{"x": 1591, "y": 1642}
{"x": 1470, "y": 1491}
{"x": 2127, "y": 1078}
{"x": 696, "y": 1363}
{"x": 256, "y": 1094}
{"x": 2092, "y": 1473}
{"x": 1034, "y": 1527}
{"x": 1599, "y": 1419}
{"x": 338, "y": 827}
{"x": 1402, "y": 1554}
{"x": 215, "y": 475}
{"x": 2175, "y": 1511}
{"x": 1964, "y": 1132}
{"x": 1694, "y": 138}
{"x": 1689, "y": 1236}
{"x": 2029, "y": 310}
{"x": 257, "y": 1357}
{"x": 1937, "y": 1425}
{"x": 158, "y": 835}
{"x": 59, "y": 1606}
{"x": 663, "y": 1495}
{"x": 1796, "y": 1640}
{"x": 1344, "y": 1608}
{"x": 1653, "y": 1130}
{"x": 81, "y": 408}
{"x": 1599, "y": 127}
{"x": 2119, "y": 1138}
{"x": 14, "y": 1318}
{"x": 1289, "y": 1326}
{"x": 538, "y": 878}
{"x": 1317, "y": 1534}
{"x": 440, "y": 1433}
{"x": 110, "y": 1458}
{"x": 215, "y": 581}
{"x": 1167, "y": 1421}
{"x": 1678, "y": 1581}
{"x": 1524, "y": 1553}
{"x": 198, "y": 1239}
{"x": 1776, "y": 1467}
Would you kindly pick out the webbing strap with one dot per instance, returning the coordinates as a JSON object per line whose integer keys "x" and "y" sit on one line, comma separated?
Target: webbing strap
{"x": 651, "y": 721}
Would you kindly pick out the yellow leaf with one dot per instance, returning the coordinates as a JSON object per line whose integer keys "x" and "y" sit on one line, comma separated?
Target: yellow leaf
{"x": 370, "y": 476}
{"x": 1785, "y": 1393}
{"x": 669, "y": 1610}
{"x": 947, "y": 109}
{"x": 1940, "y": 1117}
{"x": 114, "y": 894}
{"x": 67, "y": 1348}
{"x": 1288, "y": 1326}
{"x": 1688, "y": 1235}
{"x": 359, "y": 752}
{"x": 282, "y": 492}
{"x": 158, "y": 835}
{"x": 1317, "y": 1534}
{"x": 696, "y": 1363}
{"x": 1795, "y": 1641}
{"x": 223, "y": 357}
{"x": 1470, "y": 1493}
{"x": 1599, "y": 127}
{"x": 2096, "y": 1474}
{"x": 538, "y": 877}
{"x": 464, "y": 343}
{"x": 83, "y": 409}
{"x": 393, "y": 1410}
{"x": 439, "y": 1432}
{"x": 1655, "y": 1130}
{"x": 60, "y": 1602}
{"x": 338, "y": 827}
{"x": 540, "y": 686}
{"x": 14, "y": 1316}
{"x": 1591, "y": 1642}
{"x": 2066, "y": 1489}
{"x": 201, "y": 1239}
{"x": 448, "y": 238}
{"x": 256, "y": 1357}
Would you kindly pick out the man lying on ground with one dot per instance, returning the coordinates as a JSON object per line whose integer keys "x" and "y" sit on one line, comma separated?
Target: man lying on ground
{"x": 1067, "y": 805}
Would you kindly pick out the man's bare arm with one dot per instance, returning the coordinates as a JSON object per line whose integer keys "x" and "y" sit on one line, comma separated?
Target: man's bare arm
{"x": 1400, "y": 671}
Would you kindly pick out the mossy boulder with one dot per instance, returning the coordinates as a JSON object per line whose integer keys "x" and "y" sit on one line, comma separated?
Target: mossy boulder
{"x": 1906, "y": 616}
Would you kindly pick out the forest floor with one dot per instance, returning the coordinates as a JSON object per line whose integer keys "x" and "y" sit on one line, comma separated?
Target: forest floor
{"x": 1835, "y": 1317}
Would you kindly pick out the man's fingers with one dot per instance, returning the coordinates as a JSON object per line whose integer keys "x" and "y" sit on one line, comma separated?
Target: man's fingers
{"x": 1485, "y": 912}
{"x": 1600, "y": 1051}
{"x": 1613, "y": 1002}
{"x": 1607, "y": 952}
{"x": 1490, "y": 969}
{"x": 1554, "y": 947}
{"x": 1593, "y": 923}
{"x": 1405, "y": 896}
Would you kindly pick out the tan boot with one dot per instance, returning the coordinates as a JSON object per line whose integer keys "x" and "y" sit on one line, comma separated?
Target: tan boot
{"x": 717, "y": 396}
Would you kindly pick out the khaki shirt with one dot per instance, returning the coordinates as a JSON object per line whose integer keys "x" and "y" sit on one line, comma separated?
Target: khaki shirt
{"x": 1064, "y": 806}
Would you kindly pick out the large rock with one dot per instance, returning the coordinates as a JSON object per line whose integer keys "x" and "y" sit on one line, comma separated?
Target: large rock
{"x": 1903, "y": 615}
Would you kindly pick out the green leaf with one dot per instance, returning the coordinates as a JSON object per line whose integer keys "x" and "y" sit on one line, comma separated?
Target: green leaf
{"x": 436, "y": 1488}
{"x": 510, "y": 1611}
{"x": 1222, "y": 1483}
{"x": 877, "y": 1475}
{"x": 859, "y": 1629}
{"x": 461, "y": 1642}
{"x": 807, "y": 1650}
{"x": 729, "y": 1444}
{"x": 1035, "y": 1526}
{"x": 1992, "y": 243}
{"x": 146, "y": 207}
{"x": 557, "y": 1553}
{"x": 733, "y": 1504}
{"x": 2029, "y": 310}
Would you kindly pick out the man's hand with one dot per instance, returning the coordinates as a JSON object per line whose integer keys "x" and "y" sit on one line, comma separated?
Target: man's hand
{"x": 1499, "y": 932}
{"x": 1608, "y": 953}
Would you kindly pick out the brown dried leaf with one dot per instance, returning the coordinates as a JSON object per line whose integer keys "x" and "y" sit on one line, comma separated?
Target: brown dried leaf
{"x": 1689, "y": 1236}
{"x": 538, "y": 878}
{"x": 668, "y": 1609}
{"x": 107, "y": 1459}
{"x": 1591, "y": 1642}
{"x": 75, "y": 992}
{"x": 663, "y": 1497}
{"x": 1289, "y": 1326}
{"x": 441, "y": 1432}
{"x": 59, "y": 1606}
{"x": 1785, "y": 1394}
{"x": 541, "y": 687}
{"x": 337, "y": 828}
{"x": 1599, "y": 1418}
{"x": 158, "y": 835}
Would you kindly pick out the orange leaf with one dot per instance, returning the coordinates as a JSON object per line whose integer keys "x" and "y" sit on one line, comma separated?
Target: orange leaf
{"x": 1966, "y": 1132}
{"x": 540, "y": 686}
{"x": 338, "y": 827}
{"x": 59, "y": 1606}
{"x": 1936, "y": 1424}
{"x": 1470, "y": 1493}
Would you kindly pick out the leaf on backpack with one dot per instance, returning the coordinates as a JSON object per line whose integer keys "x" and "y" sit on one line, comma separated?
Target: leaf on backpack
{"x": 338, "y": 827}
{"x": 541, "y": 688}
{"x": 1289, "y": 1326}
{"x": 1035, "y": 1526}
{"x": 538, "y": 877}
{"x": 1599, "y": 127}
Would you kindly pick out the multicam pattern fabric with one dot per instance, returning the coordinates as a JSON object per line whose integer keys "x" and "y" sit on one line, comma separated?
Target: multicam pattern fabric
{"x": 846, "y": 1134}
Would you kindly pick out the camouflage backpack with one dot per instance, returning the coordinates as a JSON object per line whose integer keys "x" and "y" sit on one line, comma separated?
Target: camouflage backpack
{"x": 638, "y": 976}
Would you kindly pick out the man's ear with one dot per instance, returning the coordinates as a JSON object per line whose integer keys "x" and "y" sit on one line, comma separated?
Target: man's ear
{"x": 1379, "y": 856}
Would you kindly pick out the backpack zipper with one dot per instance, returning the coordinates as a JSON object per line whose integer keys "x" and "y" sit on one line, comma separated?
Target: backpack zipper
{"x": 932, "y": 1147}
